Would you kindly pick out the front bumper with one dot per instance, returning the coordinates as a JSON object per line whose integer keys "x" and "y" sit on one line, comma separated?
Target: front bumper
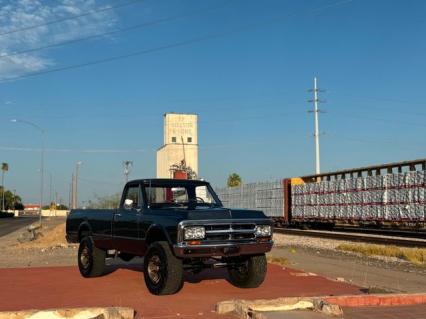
{"x": 223, "y": 250}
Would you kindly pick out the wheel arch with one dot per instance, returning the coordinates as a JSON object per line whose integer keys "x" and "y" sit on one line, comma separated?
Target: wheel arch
{"x": 157, "y": 233}
{"x": 84, "y": 230}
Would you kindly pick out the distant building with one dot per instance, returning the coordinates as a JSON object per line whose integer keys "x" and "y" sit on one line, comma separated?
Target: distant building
{"x": 178, "y": 157}
{"x": 32, "y": 207}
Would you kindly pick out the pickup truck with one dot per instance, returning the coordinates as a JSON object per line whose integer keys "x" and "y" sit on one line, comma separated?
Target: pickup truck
{"x": 177, "y": 226}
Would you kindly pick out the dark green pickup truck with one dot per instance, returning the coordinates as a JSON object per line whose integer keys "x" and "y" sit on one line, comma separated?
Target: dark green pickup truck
{"x": 177, "y": 226}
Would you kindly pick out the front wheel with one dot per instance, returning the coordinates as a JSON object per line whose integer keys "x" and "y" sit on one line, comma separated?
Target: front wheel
{"x": 163, "y": 272}
{"x": 248, "y": 272}
{"x": 91, "y": 260}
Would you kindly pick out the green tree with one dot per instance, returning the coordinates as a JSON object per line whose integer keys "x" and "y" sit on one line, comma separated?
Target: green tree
{"x": 234, "y": 180}
{"x": 108, "y": 201}
{"x": 11, "y": 201}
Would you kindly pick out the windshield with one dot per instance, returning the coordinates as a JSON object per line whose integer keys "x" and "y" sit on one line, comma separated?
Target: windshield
{"x": 189, "y": 196}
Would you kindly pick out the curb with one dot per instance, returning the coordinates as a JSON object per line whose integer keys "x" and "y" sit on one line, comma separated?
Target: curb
{"x": 378, "y": 300}
{"x": 72, "y": 313}
{"x": 252, "y": 309}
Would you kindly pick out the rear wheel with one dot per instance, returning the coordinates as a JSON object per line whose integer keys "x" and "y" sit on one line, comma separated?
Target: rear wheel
{"x": 163, "y": 272}
{"x": 91, "y": 260}
{"x": 248, "y": 272}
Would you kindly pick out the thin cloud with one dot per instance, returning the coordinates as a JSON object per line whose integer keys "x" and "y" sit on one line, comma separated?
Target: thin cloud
{"x": 26, "y": 13}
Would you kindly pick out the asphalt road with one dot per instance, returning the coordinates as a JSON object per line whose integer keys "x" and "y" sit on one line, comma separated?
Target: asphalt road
{"x": 358, "y": 270}
{"x": 8, "y": 225}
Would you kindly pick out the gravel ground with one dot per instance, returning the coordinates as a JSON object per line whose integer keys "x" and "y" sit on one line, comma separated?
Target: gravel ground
{"x": 32, "y": 254}
{"x": 328, "y": 246}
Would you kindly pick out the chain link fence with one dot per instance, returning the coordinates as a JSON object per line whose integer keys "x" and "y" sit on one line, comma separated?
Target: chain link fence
{"x": 265, "y": 196}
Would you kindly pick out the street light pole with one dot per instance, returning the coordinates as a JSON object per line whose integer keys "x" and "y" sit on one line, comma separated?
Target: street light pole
{"x": 41, "y": 130}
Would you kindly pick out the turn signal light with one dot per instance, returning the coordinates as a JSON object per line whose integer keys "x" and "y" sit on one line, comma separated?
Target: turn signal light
{"x": 194, "y": 242}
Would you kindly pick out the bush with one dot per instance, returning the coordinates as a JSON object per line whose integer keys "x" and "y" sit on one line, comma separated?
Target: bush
{"x": 6, "y": 215}
{"x": 416, "y": 256}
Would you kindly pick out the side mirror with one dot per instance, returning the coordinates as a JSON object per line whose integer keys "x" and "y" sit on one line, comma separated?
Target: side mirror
{"x": 128, "y": 203}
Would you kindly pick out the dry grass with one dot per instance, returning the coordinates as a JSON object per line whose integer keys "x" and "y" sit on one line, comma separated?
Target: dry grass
{"x": 49, "y": 238}
{"x": 416, "y": 256}
{"x": 281, "y": 261}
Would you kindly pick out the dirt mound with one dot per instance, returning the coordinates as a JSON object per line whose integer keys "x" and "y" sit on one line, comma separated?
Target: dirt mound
{"x": 48, "y": 238}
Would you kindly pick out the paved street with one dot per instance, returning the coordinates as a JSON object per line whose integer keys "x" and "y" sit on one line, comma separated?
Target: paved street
{"x": 64, "y": 287}
{"x": 357, "y": 270}
{"x": 8, "y": 225}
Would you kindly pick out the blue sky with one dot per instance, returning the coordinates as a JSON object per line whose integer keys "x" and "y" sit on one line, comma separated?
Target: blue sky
{"x": 247, "y": 80}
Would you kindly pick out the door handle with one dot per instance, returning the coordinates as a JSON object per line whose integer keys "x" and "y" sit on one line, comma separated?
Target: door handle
{"x": 117, "y": 215}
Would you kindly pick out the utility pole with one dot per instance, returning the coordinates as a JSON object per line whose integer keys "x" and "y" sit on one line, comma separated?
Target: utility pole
{"x": 77, "y": 171}
{"x": 50, "y": 190}
{"x": 70, "y": 197}
{"x": 14, "y": 200}
{"x": 73, "y": 192}
{"x": 316, "y": 133}
{"x": 4, "y": 169}
{"x": 127, "y": 169}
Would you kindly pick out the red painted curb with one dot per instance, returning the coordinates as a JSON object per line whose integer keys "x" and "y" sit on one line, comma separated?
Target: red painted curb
{"x": 378, "y": 300}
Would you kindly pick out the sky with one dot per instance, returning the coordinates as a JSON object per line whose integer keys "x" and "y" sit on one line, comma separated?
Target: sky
{"x": 97, "y": 76}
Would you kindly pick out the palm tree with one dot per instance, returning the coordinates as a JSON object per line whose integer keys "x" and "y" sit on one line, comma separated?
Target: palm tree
{"x": 4, "y": 168}
{"x": 234, "y": 180}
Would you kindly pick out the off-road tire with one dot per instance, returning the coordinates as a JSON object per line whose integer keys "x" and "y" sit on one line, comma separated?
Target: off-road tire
{"x": 164, "y": 264}
{"x": 91, "y": 260}
{"x": 251, "y": 274}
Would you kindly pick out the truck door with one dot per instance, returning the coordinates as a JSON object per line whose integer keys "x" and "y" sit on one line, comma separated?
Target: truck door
{"x": 126, "y": 221}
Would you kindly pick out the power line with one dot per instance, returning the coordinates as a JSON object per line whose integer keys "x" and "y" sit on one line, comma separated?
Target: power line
{"x": 390, "y": 121}
{"x": 66, "y": 150}
{"x": 167, "y": 46}
{"x": 70, "y": 18}
{"x": 99, "y": 35}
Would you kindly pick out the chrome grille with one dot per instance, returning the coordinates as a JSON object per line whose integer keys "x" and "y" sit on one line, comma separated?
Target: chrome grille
{"x": 230, "y": 232}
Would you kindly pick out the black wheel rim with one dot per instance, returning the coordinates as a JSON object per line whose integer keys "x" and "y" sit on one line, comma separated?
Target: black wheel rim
{"x": 242, "y": 269}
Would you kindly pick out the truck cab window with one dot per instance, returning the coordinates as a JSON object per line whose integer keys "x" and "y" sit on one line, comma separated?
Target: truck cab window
{"x": 133, "y": 194}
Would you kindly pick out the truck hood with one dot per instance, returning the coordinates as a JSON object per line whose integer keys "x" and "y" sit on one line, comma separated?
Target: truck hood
{"x": 203, "y": 213}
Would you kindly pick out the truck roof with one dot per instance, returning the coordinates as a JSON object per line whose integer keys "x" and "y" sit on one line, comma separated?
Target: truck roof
{"x": 168, "y": 181}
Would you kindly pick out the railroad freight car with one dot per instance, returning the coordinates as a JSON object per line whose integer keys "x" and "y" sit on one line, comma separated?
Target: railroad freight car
{"x": 389, "y": 194}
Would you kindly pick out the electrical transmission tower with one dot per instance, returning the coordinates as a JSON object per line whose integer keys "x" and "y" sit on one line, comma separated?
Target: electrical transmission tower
{"x": 127, "y": 165}
{"x": 315, "y": 101}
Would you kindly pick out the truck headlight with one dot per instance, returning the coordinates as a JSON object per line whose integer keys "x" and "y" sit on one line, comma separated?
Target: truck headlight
{"x": 195, "y": 232}
{"x": 263, "y": 231}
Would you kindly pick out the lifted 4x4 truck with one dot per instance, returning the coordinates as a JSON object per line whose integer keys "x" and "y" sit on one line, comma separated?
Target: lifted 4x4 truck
{"x": 177, "y": 226}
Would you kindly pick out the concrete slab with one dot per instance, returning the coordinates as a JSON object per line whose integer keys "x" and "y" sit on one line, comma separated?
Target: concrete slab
{"x": 52, "y": 287}
{"x": 296, "y": 314}
{"x": 71, "y": 313}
